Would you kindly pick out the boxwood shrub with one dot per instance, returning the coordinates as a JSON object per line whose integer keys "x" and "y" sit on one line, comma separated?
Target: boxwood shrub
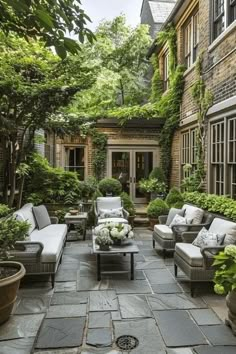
{"x": 156, "y": 208}
{"x": 213, "y": 203}
{"x": 110, "y": 186}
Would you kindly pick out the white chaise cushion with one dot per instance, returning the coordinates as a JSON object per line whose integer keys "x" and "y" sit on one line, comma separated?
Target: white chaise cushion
{"x": 26, "y": 214}
{"x": 115, "y": 220}
{"x": 190, "y": 253}
{"x": 193, "y": 213}
{"x": 164, "y": 231}
{"x": 52, "y": 237}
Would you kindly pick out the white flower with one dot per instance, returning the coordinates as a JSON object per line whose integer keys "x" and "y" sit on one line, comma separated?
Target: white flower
{"x": 114, "y": 232}
{"x": 130, "y": 234}
{"x": 123, "y": 233}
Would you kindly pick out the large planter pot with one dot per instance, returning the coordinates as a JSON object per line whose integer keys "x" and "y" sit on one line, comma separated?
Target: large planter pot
{"x": 8, "y": 289}
{"x": 231, "y": 304}
{"x": 153, "y": 222}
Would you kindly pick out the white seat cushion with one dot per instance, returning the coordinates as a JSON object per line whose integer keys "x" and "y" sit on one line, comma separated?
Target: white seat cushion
{"x": 164, "y": 231}
{"x": 193, "y": 213}
{"x": 52, "y": 237}
{"x": 190, "y": 253}
{"x": 116, "y": 220}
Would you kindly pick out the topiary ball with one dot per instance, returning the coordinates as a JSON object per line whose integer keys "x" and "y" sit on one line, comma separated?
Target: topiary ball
{"x": 110, "y": 186}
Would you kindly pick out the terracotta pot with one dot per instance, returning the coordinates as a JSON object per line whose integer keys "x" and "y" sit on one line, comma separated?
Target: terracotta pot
{"x": 153, "y": 222}
{"x": 8, "y": 289}
{"x": 231, "y": 304}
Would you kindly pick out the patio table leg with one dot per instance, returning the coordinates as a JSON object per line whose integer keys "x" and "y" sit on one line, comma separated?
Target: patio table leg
{"x": 98, "y": 267}
{"x": 84, "y": 231}
{"x": 132, "y": 265}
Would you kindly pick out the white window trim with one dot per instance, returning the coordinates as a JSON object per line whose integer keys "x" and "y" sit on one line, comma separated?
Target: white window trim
{"x": 227, "y": 27}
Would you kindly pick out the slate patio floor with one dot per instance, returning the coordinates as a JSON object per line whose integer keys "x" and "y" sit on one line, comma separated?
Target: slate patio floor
{"x": 82, "y": 315}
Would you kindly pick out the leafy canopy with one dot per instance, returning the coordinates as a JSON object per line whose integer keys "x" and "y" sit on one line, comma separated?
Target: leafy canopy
{"x": 48, "y": 20}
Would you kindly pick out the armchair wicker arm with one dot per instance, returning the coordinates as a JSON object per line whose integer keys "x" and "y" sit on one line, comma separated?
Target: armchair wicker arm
{"x": 54, "y": 219}
{"x": 162, "y": 219}
{"x": 27, "y": 251}
{"x": 208, "y": 254}
{"x": 189, "y": 236}
{"x": 126, "y": 214}
{"x": 95, "y": 211}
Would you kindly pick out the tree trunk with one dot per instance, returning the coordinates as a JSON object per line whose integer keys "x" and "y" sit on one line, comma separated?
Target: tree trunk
{"x": 122, "y": 93}
{"x": 12, "y": 171}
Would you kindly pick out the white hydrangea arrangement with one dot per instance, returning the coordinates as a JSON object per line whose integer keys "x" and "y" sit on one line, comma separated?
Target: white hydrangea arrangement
{"x": 103, "y": 240}
{"x": 115, "y": 231}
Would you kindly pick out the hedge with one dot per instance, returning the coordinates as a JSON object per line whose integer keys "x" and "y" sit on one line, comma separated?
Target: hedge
{"x": 213, "y": 203}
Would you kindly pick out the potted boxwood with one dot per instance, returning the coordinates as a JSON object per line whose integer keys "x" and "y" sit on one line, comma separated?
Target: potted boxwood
{"x": 175, "y": 198}
{"x": 11, "y": 230}
{"x": 155, "y": 209}
{"x": 128, "y": 205}
{"x": 110, "y": 187}
{"x": 225, "y": 281}
{"x": 153, "y": 187}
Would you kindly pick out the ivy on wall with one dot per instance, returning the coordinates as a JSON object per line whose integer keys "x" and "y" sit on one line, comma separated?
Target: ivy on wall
{"x": 99, "y": 141}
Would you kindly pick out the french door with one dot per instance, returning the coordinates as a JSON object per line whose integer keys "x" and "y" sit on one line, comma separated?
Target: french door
{"x": 129, "y": 166}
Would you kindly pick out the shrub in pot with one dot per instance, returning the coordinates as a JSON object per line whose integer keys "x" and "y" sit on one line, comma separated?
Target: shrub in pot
{"x": 153, "y": 187}
{"x": 128, "y": 205}
{"x": 11, "y": 230}
{"x": 104, "y": 241}
{"x": 110, "y": 187}
{"x": 174, "y": 198}
{"x": 157, "y": 173}
{"x": 225, "y": 281}
{"x": 155, "y": 209}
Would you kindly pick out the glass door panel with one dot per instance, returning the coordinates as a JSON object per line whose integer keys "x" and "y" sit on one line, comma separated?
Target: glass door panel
{"x": 143, "y": 161}
{"x": 120, "y": 168}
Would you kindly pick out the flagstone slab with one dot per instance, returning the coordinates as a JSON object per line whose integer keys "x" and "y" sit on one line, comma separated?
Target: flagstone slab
{"x": 61, "y": 333}
{"x": 67, "y": 275}
{"x": 101, "y": 351}
{"x": 131, "y": 287}
{"x": 99, "y": 337}
{"x": 17, "y": 346}
{"x": 115, "y": 315}
{"x": 215, "y": 350}
{"x": 150, "y": 265}
{"x": 148, "y": 252}
{"x": 147, "y": 333}
{"x": 87, "y": 269}
{"x": 103, "y": 301}
{"x": 21, "y": 326}
{"x": 65, "y": 286}
{"x": 134, "y": 306}
{"x": 178, "y": 329}
{"x": 159, "y": 276}
{"x": 174, "y": 301}
{"x": 59, "y": 351}
{"x": 70, "y": 298}
{"x": 219, "y": 335}
{"x": 99, "y": 320}
{"x": 89, "y": 283}
{"x": 171, "y": 288}
{"x": 30, "y": 304}
{"x": 180, "y": 351}
{"x": 205, "y": 317}
{"x": 69, "y": 311}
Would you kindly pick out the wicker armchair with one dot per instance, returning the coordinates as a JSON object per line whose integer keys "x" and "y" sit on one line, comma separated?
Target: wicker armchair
{"x": 109, "y": 203}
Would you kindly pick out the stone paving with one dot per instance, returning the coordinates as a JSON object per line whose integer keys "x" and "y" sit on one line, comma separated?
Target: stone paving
{"x": 82, "y": 315}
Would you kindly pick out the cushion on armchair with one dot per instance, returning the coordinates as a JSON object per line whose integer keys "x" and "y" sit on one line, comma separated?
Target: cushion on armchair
{"x": 164, "y": 232}
{"x": 190, "y": 253}
{"x": 180, "y": 220}
{"x": 224, "y": 227}
{"x": 110, "y": 213}
{"x": 207, "y": 238}
{"x": 41, "y": 216}
{"x": 172, "y": 213}
{"x": 26, "y": 214}
{"x": 194, "y": 213}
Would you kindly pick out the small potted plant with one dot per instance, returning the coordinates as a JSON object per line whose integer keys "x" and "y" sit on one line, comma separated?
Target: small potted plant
{"x": 11, "y": 230}
{"x": 104, "y": 241}
{"x": 120, "y": 232}
{"x": 153, "y": 187}
{"x": 225, "y": 281}
{"x": 155, "y": 209}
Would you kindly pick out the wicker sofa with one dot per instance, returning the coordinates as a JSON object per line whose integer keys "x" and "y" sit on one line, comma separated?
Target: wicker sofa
{"x": 197, "y": 262}
{"x": 42, "y": 250}
{"x": 167, "y": 237}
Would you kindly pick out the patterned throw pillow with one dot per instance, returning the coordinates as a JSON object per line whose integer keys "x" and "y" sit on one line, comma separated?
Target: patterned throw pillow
{"x": 206, "y": 238}
{"x": 180, "y": 220}
{"x": 111, "y": 213}
{"x": 172, "y": 213}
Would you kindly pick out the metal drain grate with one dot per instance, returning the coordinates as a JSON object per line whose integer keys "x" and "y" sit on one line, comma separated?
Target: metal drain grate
{"x": 127, "y": 342}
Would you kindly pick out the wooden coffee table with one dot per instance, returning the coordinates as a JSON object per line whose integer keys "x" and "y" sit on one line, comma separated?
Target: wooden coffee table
{"x": 127, "y": 247}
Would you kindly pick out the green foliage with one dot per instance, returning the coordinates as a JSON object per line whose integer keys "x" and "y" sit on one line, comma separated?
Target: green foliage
{"x": 99, "y": 140}
{"x": 4, "y": 210}
{"x": 156, "y": 208}
{"x": 157, "y": 83}
{"x": 60, "y": 214}
{"x": 88, "y": 187}
{"x": 46, "y": 184}
{"x": 11, "y": 230}
{"x": 213, "y": 203}
{"x": 128, "y": 204}
{"x": 192, "y": 181}
{"x": 48, "y": 20}
{"x": 157, "y": 173}
{"x": 174, "y": 198}
{"x": 152, "y": 185}
{"x": 225, "y": 275}
{"x": 110, "y": 186}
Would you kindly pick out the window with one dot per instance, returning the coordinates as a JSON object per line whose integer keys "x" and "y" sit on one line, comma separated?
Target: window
{"x": 191, "y": 39}
{"x": 166, "y": 71}
{"x": 188, "y": 150}
{"x": 74, "y": 160}
{"x": 223, "y": 157}
{"x": 224, "y": 13}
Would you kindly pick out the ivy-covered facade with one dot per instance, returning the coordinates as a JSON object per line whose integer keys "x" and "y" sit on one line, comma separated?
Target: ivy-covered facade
{"x": 205, "y": 137}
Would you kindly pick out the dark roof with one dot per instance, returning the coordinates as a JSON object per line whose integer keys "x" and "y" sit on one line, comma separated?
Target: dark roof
{"x": 133, "y": 123}
{"x": 160, "y": 10}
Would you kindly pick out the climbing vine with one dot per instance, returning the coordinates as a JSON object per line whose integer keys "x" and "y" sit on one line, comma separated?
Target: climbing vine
{"x": 204, "y": 99}
{"x": 99, "y": 140}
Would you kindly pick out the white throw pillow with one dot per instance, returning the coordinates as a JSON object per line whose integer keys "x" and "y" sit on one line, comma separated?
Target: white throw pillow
{"x": 172, "y": 213}
{"x": 206, "y": 238}
{"x": 111, "y": 213}
{"x": 194, "y": 213}
{"x": 180, "y": 220}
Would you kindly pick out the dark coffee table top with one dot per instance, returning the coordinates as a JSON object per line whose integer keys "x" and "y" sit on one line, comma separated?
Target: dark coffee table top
{"x": 127, "y": 246}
